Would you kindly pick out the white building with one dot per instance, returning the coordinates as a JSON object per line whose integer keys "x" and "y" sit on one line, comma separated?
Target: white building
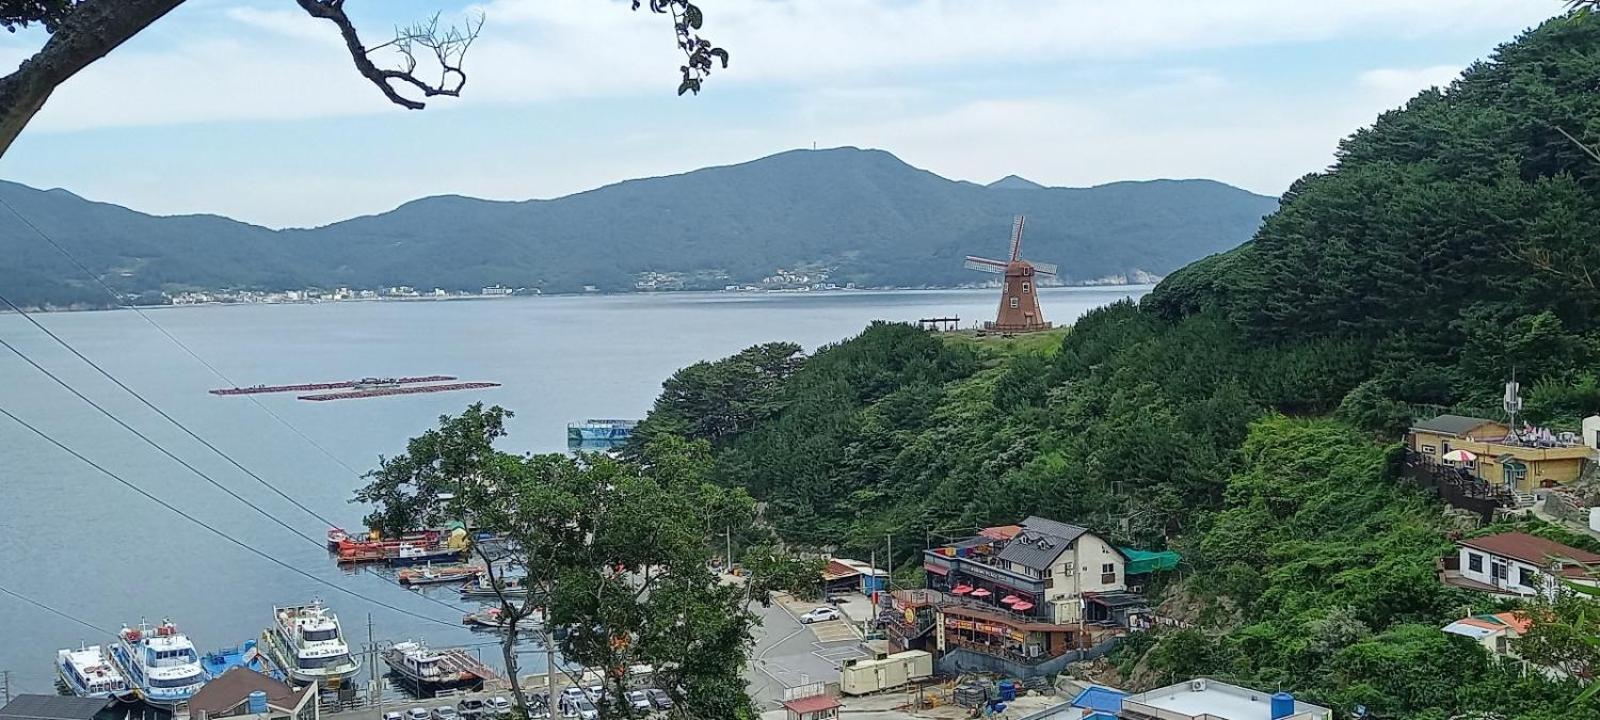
{"x": 1517, "y": 563}
{"x": 1207, "y": 699}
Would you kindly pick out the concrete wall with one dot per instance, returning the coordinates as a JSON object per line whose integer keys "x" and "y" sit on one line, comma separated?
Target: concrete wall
{"x": 959, "y": 661}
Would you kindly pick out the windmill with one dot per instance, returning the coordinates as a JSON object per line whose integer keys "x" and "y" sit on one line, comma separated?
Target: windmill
{"x": 1019, "y": 301}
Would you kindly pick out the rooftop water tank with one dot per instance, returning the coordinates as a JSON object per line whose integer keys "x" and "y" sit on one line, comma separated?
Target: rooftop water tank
{"x": 258, "y": 703}
{"x": 1282, "y": 705}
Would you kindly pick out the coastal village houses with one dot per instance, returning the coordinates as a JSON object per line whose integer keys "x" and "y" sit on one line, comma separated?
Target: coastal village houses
{"x": 1022, "y": 600}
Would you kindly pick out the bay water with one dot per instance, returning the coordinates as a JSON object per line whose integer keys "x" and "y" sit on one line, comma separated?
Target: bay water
{"x": 89, "y": 548}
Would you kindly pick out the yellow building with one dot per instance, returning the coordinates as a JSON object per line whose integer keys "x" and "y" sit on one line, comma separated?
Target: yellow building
{"x": 1503, "y": 459}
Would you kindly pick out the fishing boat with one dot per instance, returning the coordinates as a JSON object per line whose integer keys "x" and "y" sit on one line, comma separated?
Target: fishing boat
{"x": 159, "y": 663}
{"x": 245, "y": 655}
{"x": 87, "y": 672}
{"x": 307, "y": 644}
{"x": 428, "y": 671}
{"x": 336, "y": 536}
{"x": 481, "y": 589}
{"x": 430, "y": 575}
{"x": 420, "y": 554}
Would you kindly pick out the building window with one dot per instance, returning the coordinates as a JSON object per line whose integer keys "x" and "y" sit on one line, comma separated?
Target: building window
{"x": 1108, "y": 574}
{"x": 1525, "y": 577}
{"x": 1014, "y": 303}
{"x": 1026, "y": 286}
{"x": 1429, "y": 449}
{"x": 1475, "y": 562}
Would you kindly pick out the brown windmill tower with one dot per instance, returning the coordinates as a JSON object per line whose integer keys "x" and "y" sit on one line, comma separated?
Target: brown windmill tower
{"x": 1019, "y": 302}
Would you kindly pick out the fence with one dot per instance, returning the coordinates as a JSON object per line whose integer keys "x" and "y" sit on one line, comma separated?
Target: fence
{"x": 1456, "y": 487}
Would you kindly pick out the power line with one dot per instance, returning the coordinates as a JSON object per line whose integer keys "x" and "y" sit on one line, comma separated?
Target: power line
{"x": 141, "y": 491}
{"x": 181, "y": 426}
{"x": 115, "y": 298}
{"x": 54, "y": 611}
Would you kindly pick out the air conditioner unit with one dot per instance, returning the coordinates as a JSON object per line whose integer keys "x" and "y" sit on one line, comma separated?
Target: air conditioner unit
{"x": 1197, "y": 685}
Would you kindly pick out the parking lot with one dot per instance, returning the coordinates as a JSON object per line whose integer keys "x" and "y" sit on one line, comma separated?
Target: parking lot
{"x": 790, "y": 654}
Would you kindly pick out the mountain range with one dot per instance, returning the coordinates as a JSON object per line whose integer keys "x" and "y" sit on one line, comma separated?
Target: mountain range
{"x": 845, "y": 215}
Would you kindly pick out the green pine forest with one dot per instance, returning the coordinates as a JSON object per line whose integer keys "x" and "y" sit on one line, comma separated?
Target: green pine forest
{"x": 1247, "y": 412}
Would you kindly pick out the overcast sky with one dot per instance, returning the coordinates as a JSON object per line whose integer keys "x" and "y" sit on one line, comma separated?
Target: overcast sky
{"x": 249, "y": 108}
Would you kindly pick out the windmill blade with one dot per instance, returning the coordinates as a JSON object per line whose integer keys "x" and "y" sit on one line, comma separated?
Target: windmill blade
{"x": 1016, "y": 238}
{"x": 1043, "y": 268}
{"x": 985, "y": 265}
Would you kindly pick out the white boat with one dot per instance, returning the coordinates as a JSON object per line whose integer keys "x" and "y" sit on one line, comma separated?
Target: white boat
{"x": 307, "y": 644}
{"x": 87, "y": 672}
{"x": 160, "y": 663}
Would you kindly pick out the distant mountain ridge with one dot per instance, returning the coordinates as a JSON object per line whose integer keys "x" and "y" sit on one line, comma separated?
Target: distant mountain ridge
{"x": 840, "y": 216}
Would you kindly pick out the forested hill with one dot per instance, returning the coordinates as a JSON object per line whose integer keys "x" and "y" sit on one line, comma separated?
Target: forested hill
{"x": 1246, "y": 412}
{"x": 849, "y": 215}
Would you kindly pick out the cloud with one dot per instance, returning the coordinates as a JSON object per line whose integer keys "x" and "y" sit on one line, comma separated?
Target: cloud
{"x": 1397, "y": 85}
{"x": 245, "y": 62}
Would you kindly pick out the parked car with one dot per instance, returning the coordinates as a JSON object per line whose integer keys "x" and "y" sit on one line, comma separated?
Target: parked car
{"x": 471, "y": 709}
{"x": 499, "y": 707}
{"x": 394, "y": 715}
{"x": 579, "y": 708}
{"x": 597, "y": 693}
{"x": 821, "y": 614}
{"x": 417, "y": 714}
{"x": 659, "y": 698}
{"x": 637, "y": 699}
{"x": 574, "y": 693}
{"x": 445, "y": 712}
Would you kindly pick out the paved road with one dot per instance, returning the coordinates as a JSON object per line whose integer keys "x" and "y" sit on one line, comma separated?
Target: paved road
{"x": 788, "y": 654}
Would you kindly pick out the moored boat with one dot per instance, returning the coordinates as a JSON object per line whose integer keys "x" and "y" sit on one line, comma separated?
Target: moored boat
{"x": 428, "y": 671}
{"x": 307, "y": 644}
{"x": 482, "y": 589}
{"x": 159, "y": 663}
{"x": 87, "y": 672}
{"x": 430, "y": 575}
{"x": 245, "y": 655}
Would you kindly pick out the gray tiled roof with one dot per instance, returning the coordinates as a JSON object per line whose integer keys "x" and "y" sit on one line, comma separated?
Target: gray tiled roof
{"x": 52, "y": 707}
{"x": 1040, "y": 543}
{"x": 1451, "y": 424}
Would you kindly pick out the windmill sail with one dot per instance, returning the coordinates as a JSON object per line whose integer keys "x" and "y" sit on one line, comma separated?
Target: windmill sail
{"x": 1016, "y": 238}
{"x": 985, "y": 265}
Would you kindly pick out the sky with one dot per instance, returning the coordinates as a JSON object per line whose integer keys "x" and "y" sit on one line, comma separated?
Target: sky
{"x": 251, "y": 109}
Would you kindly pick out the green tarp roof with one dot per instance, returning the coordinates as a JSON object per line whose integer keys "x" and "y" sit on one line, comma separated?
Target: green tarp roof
{"x": 1145, "y": 561}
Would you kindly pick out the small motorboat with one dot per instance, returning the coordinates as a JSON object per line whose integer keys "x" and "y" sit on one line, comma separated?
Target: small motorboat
{"x": 430, "y": 575}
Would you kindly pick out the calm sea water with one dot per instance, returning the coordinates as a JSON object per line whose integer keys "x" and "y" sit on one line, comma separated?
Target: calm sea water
{"x": 79, "y": 542}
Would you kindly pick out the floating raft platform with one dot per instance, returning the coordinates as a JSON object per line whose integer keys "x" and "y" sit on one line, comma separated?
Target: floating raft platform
{"x": 391, "y": 391}
{"x": 315, "y": 387}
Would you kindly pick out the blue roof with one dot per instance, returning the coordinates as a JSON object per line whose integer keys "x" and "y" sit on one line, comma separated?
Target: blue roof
{"x": 1102, "y": 699}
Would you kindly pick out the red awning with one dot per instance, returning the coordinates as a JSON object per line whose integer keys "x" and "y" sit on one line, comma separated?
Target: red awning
{"x": 960, "y": 589}
{"x": 935, "y": 569}
{"x": 813, "y": 704}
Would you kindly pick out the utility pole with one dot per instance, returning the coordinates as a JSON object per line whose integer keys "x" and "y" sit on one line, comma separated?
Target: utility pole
{"x": 728, "y": 559}
{"x": 373, "y": 693}
{"x": 889, "y": 546}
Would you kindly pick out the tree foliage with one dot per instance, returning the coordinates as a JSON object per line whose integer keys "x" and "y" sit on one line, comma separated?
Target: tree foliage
{"x": 619, "y": 553}
{"x": 1244, "y": 412}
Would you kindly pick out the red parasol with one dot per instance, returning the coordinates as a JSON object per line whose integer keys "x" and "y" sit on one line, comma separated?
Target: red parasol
{"x": 960, "y": 589}
{"x": 1024, "y": 605}
{"x": 1010, "y": 599}
{"x": 981, "y": 592}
